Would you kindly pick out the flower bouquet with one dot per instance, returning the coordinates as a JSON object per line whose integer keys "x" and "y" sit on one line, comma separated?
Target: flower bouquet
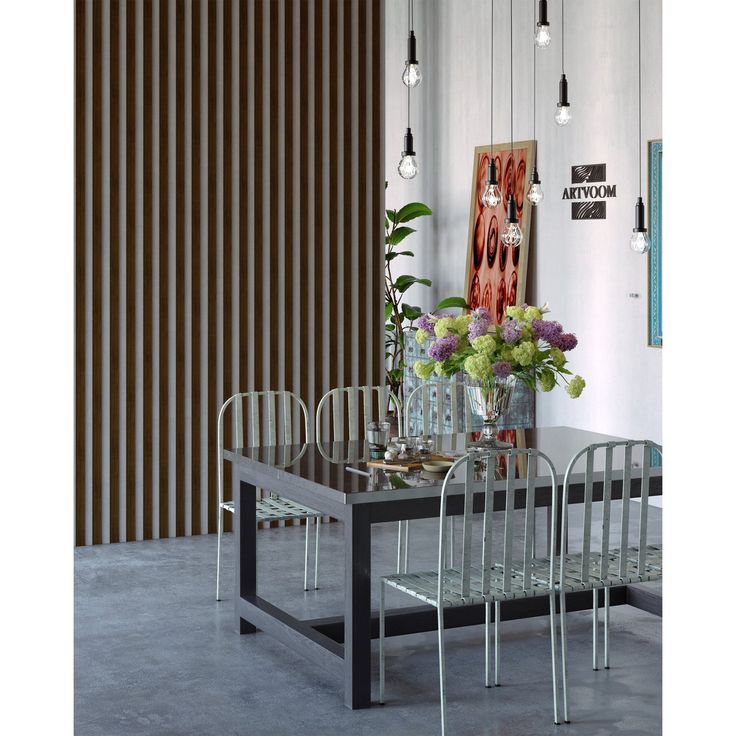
{"x": 524, "y": 347}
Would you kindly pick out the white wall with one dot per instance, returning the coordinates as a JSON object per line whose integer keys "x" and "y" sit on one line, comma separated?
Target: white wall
{"x": 584, "y": 269}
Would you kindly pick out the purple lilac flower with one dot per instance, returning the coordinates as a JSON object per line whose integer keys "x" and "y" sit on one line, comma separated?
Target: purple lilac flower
{"x": 480, "y": 324}
{"x": 443, "y": 348}
{"x": 502, "y": 369}
{"x": 548, "y": 331}
{"x": 511, "y": 331}
{"x": 566, "y": 341}
{"x": 426, "y": 324}
{"x": 482, "y": 313}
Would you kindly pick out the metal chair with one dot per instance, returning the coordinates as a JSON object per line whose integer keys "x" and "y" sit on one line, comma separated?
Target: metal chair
{"x": 363, "y": 403}
{"x": 607, "y": 566}
{"x": 498, "y": 577}
{"x": 443, "y": 420}
{"x": 278, "y": 426}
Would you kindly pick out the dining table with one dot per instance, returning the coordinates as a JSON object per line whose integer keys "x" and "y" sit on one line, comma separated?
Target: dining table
{"x": 335, "y": 479}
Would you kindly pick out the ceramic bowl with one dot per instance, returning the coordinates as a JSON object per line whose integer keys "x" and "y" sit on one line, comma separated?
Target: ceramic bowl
{"x": 437, "y": 466}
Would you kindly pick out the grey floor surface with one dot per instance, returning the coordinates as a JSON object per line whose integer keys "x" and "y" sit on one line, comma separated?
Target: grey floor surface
{"x": 155, "y": 654}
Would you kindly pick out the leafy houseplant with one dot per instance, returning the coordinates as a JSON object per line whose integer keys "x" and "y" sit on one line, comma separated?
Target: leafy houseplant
{"x": 399, "y": 314}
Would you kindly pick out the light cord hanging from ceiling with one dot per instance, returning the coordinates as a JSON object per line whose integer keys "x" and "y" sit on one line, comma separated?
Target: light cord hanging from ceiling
{"x": 408, "y": 164}
{"x": 512, "y": 235}
{"x": 639, "y": 241}
{"x": 491, "y": 194}
{"x": 542, "y": 36}
{"x": 534, "y": 194}
{"x": 563, "y": 115}
{"x": 412, "y": 76}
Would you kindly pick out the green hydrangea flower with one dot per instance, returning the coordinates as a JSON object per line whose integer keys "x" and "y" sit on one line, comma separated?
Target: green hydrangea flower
{"x": 557, "y": 357}
{"x": 440, "y": 370}
{"x": 507, "y": 353}
{"x": 462, "y": 324}
{"x": 479, "y": 367}
{"x": 524, "y": 353}
{"x": 421, "y": 336}
{"x": 485, "y": 344}
{"x": 547, "y": 380}
{"x": 515, "y": 312}
{"x": 444, "y": 326}
{"x": 424, "y": 370}
{"x": 575, "y": 387}
{"x": 532, "y": 313}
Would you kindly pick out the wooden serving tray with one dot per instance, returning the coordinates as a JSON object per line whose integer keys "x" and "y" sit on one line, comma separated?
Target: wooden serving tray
{"x": 405, "y": 466}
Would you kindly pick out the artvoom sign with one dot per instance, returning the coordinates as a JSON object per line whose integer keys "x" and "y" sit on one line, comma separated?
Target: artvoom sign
{"x": 589, "y": 192}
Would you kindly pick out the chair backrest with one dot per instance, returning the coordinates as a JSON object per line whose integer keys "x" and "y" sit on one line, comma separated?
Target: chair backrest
{"x": 597, "y": 560}
{"x": 363, "y": 404}
{"x": 262, "y": 418}
{"x": 437, "y": 421}
{"x": 520, "y": 495}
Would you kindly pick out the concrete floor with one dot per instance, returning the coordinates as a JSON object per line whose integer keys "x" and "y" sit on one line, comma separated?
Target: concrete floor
{"x": 155, "y": 654}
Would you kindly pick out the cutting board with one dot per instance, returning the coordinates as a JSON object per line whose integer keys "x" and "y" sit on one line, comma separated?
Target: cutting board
{"x": 405, "y": 466}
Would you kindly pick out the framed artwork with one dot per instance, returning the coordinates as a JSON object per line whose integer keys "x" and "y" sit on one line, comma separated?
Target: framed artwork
{"x": 495, "y": 276}
{"x": 655, "y": 234}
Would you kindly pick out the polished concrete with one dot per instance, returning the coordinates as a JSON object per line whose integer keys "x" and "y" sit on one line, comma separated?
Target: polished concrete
{"x": 155, "y": 654}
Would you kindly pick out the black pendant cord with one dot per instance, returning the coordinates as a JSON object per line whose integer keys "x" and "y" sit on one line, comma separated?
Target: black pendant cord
{"x": 492, "y": 34}
{"x": 639, "y": 98}
{"x": 534, "y": 78}
{"x": 511, "y": 65}
{"x": 563, "y": 36}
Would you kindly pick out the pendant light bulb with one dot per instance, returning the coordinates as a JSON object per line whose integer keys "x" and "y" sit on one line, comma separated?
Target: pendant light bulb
{"x": 639, "y": 241}
{"x": 408, "y": 164}
{"x": 412, "y": 76}
{"x": 542, "y": 36}
{"x": 535, "y": 194}
{"x": 491, "y": 194}
{"x": 563, "y": 115}
{"x": 512, "y": 235}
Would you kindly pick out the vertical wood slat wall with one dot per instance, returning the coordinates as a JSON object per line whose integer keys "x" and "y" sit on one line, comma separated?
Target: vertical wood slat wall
{"x": 229, "y": 220}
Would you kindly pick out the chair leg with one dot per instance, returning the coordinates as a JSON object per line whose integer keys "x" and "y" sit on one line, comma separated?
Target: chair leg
{"x": 219, "y": 545}
{"x": 497, "y": 642}
{"x": 488, "y": 645}
{"x": 553, "y": 638}
{"x": 318, "y": 524}
{"x": 563, "y": 636}
{"x": 595, "y": 628}
{"x": 381, "y": 636}
{"x": 606, "y": 624}
{"x": 306, "y": 554}
{"x": 441, "y": 646}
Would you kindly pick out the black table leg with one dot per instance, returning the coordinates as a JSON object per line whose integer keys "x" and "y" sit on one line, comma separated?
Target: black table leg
{"x": 357, "y": 609}
{"x": 245, "y": 526}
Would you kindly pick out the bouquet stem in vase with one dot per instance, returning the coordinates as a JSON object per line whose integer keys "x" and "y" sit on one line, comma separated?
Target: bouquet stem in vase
{"x": 491, "y": 401}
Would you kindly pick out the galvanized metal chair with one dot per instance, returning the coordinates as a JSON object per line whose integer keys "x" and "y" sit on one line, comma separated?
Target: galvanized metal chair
{"x": 615, "y": 562}
{"x": 344, "y": 412}
{"x": 442, "y": 420}
{"x": 504, "y": 575}
{"x": 276, "y": 426}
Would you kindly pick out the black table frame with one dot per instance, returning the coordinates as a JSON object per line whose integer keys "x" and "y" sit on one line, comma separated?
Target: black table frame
{"x": 342, "y": 644}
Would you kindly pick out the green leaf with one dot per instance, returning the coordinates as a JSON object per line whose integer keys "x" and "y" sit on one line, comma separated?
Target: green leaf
{"x": 452, "y": 302}
{"x": 393, "y": 254}
{"x": 386, "y": 225}
{"x": 391, "y": 215}
{"x": 411, "y": 313}
{"x": 387, "y": 310}
{"x": 404, "y": 281}
{"x": 411, "y": 211}
{"x": 399, "y": 234}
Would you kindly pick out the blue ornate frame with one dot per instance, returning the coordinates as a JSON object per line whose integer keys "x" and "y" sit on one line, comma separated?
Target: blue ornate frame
{"x": 655, "y": 233}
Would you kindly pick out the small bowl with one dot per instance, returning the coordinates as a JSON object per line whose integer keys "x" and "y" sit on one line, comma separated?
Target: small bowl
{"x": 437, "y": 466}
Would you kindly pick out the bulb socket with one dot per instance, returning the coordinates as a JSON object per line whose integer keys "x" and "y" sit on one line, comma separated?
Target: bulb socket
{"x": 408, "y": 144}
{"x": 535, "y": 176}
{"x": 411, "y": 49}
{"x": 543, "y": 13}
{"x": 511, "y": 216}
{"x": 492, "y": 173}
{"x": 639, "y": 226}
{"x": 564, "y": 102}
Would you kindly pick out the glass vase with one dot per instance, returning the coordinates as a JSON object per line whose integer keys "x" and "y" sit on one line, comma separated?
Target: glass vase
{"x": 491, "y": 402}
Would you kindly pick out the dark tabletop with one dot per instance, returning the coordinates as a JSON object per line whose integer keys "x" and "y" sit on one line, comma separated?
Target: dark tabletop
{"x": 326, "y": 468}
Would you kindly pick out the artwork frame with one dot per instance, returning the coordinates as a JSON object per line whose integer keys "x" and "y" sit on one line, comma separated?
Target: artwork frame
{"x": 654, "y": 315}
{"x": 487, "y": 282}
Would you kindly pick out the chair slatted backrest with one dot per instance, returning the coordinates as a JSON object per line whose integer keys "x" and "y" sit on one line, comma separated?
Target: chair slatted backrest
{"x": 505, "y": 561}
{"x": 612, "y": 471}
{"x": 262, "y": 419}
{"x": 344, "y": 412}
{"x": 439, "y": 424}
